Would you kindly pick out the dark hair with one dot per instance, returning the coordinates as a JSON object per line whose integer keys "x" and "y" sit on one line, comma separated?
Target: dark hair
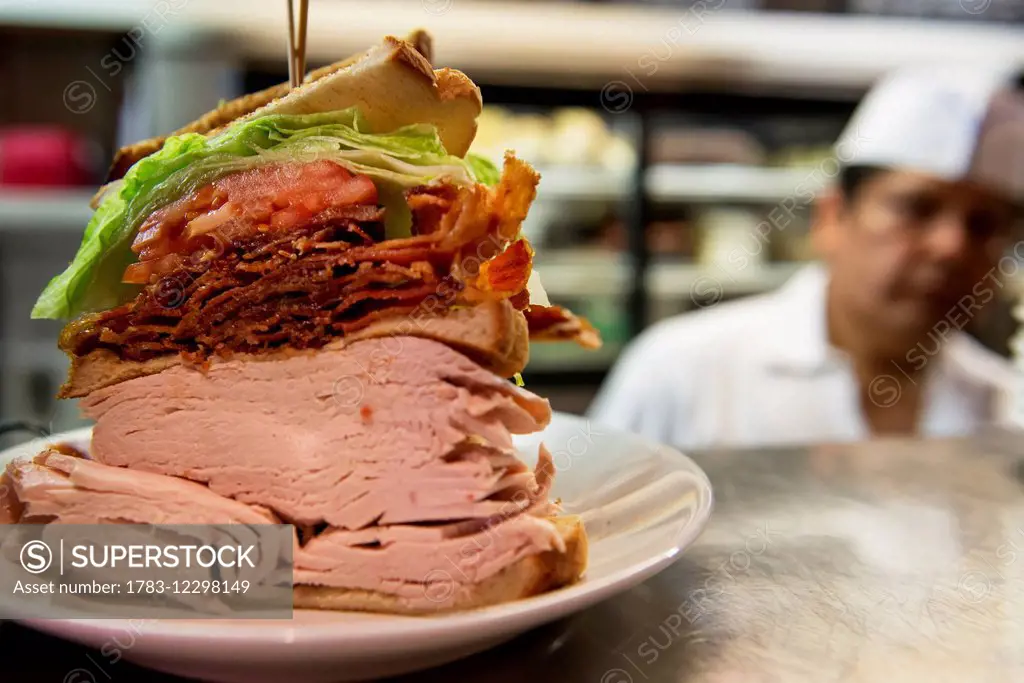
{"x": 852, "y": 179}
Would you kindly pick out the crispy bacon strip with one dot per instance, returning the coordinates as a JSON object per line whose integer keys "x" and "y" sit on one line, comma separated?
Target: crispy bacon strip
{"x": 302, "y": 290}
{"x": 507, "y": 273}
{"x": 482, "y": 226}
{"x": 554, "y": 323}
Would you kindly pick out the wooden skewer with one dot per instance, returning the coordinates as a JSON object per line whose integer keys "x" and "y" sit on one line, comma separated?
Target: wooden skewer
{"x": 291, "y": 45}
{"x": 297, "y": 46}
{"x": 300, "y": 56}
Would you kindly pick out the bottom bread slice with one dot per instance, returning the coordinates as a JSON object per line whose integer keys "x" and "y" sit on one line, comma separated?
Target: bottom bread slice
{"x": 530, "y": 576}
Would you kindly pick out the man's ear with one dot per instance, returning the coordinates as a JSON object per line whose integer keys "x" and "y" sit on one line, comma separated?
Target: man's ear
{"x": 826, "y": 217}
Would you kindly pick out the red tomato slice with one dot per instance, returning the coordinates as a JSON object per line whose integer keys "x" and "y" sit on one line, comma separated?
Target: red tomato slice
{"x": 283, "y": 197}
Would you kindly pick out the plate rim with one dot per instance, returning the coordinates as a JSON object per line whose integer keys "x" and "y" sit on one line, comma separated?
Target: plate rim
{"x": 508, "y": 616}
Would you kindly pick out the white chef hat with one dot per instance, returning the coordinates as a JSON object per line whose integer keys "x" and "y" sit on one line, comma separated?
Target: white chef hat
{"x": 954, "y": 122}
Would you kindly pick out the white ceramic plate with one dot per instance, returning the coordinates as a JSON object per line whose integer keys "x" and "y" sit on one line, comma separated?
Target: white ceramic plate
{"x": 642, "y": 504}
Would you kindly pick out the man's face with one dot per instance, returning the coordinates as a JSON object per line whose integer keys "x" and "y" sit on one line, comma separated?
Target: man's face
{"x": 909, "y": 250}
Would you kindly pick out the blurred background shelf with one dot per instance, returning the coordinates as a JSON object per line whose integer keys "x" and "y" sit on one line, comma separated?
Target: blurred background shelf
{"x": 569, "y": 276}
{"x": 583, "y": 44}
{"x": 675, "y": 183}
{"x": 577, "y": 184}
{"x": 64, "y": 210}
{"x": 710, "y": 183}
{"x": 672, "y": 281}
{"x": 561, "y": 358}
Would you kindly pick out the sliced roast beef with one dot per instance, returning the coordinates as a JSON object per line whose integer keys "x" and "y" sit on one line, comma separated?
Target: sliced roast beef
{"x": 10, "y": 507}
{"x": 344, "y": 437}
{"x": 77, "y": 491}
{"x": 406, "y": 565}
{"x": 422, "y": 565}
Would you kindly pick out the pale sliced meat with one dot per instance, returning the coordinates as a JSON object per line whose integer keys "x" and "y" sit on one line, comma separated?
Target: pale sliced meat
{"x": 78, "y": 491}
{"x": 10, "y": 506}
{"x": 343, "y": 436}
{"x": 417, "y": 564}
{"x": 420, "y": 557}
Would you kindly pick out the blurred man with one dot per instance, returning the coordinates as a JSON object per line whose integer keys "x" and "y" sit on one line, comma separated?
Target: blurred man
{"x": 915, "y": 240}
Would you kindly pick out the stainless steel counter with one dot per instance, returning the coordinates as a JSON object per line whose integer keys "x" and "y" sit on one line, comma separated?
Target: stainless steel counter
{"x": 888, "y": 561}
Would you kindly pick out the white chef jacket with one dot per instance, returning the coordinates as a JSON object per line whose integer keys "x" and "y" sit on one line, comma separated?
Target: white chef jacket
{"x": 760, "y": 371}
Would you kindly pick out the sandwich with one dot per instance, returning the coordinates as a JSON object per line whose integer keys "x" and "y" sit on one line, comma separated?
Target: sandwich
{"x": 311, "y": 307}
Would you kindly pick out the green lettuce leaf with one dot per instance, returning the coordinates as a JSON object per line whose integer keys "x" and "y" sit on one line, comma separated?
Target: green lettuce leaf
{"x": 485, "y": 171}
{"x": 404, "y": 158}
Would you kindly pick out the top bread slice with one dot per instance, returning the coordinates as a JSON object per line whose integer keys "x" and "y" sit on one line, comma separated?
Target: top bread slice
{"x": 392, "y": 84}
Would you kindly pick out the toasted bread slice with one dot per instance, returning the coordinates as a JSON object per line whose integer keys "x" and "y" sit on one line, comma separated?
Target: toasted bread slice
{"x": 493, "y": 334}
{"x": 392, "y": 84}
{"x": 530, "y": 576}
